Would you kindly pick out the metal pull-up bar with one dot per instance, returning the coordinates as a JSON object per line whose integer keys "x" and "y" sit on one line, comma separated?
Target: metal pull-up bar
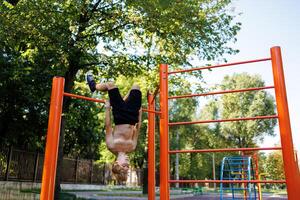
{"x": 217, "y": 66}
{"x": 224, "y": 150}
{"x": 221, "y": 92}
{"x": 223, "y": 120}
{"x": 84, "y": 98}
{"x": 103, "y": 101}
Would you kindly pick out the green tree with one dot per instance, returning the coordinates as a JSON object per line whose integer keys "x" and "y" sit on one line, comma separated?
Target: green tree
{"x": 244, "y": 104}
{"x": 180, "y": 136}
{"x": 228, "y": 134}
{"x": 67, "y": 38}
{"x": 274, "y": 166}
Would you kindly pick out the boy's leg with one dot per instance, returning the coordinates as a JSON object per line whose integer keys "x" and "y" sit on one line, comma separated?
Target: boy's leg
{"x": 133, "y": 87}
{"x": 134, "y": 98}
{"x": 103, "y": 87}
{"x": 100, "y": 86}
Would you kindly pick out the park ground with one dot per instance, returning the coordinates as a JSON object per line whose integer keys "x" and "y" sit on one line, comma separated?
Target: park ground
{"x": 137, "y": 195}
{"x": 19, "y": 191}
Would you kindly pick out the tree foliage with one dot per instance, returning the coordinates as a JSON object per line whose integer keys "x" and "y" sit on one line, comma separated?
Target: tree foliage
{"x": 41, "y": 38}
{"x": 274, "y": 166}
{"x": 116, "y": 39}
{"x": 240, "y": 105}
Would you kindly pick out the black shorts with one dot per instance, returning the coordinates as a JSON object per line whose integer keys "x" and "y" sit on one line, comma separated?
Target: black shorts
{"x": 125, "y": 112}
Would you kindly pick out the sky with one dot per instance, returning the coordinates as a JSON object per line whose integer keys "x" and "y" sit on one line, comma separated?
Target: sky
{"x": 268, "y": 23}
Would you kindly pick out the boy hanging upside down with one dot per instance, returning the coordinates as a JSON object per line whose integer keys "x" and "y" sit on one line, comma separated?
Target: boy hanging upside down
{"x": 122, "y": 138}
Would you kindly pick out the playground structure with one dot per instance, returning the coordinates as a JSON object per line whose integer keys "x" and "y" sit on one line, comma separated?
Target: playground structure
{"x": 238, "y": 168}
{"x": 290, "y": 161}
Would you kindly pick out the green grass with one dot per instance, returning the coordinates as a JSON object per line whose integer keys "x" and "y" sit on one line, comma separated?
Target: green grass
{"x": 35, "y": 191}
{"x": 123, "y": 195}
{"x": 67, "y": 196}
{"x": 62, "y": 195}
{"x": 126, "y": 189}
{"x": 277, "y": 191}
{"x": 108, "y": 189}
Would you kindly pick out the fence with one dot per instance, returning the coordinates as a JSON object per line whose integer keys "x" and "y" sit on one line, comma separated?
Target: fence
{"x": 18, "y": 165}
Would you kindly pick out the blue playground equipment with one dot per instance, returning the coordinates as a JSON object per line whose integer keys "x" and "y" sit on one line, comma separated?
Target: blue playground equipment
{"x": 238, "y": 168}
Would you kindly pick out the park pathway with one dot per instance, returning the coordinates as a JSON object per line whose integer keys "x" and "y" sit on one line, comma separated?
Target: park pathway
{"x": 132, "y": 195}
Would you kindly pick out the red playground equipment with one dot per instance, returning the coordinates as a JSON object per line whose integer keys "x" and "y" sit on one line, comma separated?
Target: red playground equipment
{"x": 291, "y": 168}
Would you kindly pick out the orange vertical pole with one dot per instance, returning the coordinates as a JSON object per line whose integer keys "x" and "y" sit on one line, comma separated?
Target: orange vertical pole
{"x": 151, "y": 148}
{"x": 50, "y": 161}
{"x": 255, "y": 157}
{"x": 290, "y": 168}
{"x": 245, "y": 192}
{"x": 164, "y": 134}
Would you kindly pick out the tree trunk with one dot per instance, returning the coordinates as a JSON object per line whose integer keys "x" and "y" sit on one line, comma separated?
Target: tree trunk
{"x": 69, "y": 83}
{"x": 59, "y": 160}
{"x": 145, "y": 180}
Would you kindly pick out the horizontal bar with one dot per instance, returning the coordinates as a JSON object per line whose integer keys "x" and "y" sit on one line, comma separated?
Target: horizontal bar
{"x": 84, "y": 98}
{"x": 227, "y": 181}
{"x": 223, "y": 120}
{"x": 224, "y": 150}
{"x": 151, "y": 111}
{"x": 221, "y": 92}
{"x": 101, "y": 101}
{"x": 228, "y": 188}
{"x": 221, "y": 65}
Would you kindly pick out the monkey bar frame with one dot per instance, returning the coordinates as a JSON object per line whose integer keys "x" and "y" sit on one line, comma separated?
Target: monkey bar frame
{"x": 289, "y": 158}
{"x": 53, "y": 132}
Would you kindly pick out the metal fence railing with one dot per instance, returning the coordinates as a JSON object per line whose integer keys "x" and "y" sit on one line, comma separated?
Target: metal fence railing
{"x": 18, "y": 165}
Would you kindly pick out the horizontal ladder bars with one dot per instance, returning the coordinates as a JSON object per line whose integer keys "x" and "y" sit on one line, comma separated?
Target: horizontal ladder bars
{"x": 224, "y": 150}
{"x": 227, "y": 181}
{"x": 221, "y": 65}
{"x": 223, "y": 120}
{"x": 221, "y": 92}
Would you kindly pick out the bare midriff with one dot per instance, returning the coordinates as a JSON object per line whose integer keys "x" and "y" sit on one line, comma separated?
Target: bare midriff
{"x": 122, "y": 139}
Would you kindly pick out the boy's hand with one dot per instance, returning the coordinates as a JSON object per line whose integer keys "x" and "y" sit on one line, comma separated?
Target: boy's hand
{"x": 107, "y": 104}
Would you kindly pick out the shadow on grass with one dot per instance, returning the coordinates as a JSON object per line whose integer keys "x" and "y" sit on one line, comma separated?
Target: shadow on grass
{"x": 62, "y": 195}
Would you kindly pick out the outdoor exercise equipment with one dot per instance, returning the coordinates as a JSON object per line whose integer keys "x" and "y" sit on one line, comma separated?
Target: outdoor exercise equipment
{"x": 259, "y": 184}
{"x": 289, "y": 158}
{"x": 292, "y": 174}
{"x": 51, "y": 153}
{"x": 238, "y": 168}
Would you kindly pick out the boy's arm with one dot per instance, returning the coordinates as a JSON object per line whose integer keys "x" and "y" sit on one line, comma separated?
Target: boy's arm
{"x": 137, "y": 129}
{"x": 108, "y": 128}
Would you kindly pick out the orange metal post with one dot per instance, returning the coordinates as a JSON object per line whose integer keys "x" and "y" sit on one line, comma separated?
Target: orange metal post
{"x": 151, "y": 148}
{"x": 255, "y": 158}
{"x": 290, "y": 166}
{"x": 164, "y": 134}
{"x": 49, "y": 170}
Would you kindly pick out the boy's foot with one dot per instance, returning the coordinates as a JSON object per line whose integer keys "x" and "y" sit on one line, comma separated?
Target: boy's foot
{"x": 91, "y": 82}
